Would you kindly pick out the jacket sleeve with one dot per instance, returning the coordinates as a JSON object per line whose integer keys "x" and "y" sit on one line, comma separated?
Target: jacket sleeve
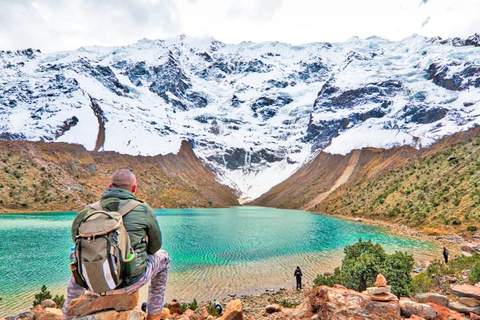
{"x": 154, "y": 234}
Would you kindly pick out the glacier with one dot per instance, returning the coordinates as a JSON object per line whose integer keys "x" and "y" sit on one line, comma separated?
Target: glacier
{"x": 253, "y": 112}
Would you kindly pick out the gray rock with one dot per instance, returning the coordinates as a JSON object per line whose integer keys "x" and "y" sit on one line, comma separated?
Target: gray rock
{"x": 460, "y": 307}
{"x": 433, "y": 298}
{"x": 378, "y": 290}
{"x": 48, "y": 303}
{"x": 471, "y": 302}
{"x": 410, "y": 308}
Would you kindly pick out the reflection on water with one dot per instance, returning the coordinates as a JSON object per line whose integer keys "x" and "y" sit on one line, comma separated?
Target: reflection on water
{"x": 242, "y": 250}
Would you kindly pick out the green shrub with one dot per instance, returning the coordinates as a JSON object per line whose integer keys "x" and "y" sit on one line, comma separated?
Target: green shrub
{"x": 396, "y": 269}
{"x": 286, "y": 304}
{"x": 59, "y": 300}
{"x": 472, "y": 228}
{"x": 362, "y": 263}
{"x": 422, "y": 282}
{"x": 474, "y": 276}
{"x": 44, "y": 294}
{"x": 212, "y": 309}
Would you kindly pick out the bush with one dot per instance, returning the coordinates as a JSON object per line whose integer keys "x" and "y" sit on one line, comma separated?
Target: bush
{"x": 397, "y": 268}
{"x": 472, "y": 228}
{"x": 474, "y": 276}
{"x": 59, "y": 300}
{"x": 422, "y": 282}
{"x": 286, "y": 304}
{"x": 362, "y": 263}
{"x": 212, "y": 309}
{"x": 43, "y": 295}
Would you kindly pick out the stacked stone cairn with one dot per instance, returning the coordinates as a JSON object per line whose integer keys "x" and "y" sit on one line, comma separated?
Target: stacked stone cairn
{"x": 381, "y": 291}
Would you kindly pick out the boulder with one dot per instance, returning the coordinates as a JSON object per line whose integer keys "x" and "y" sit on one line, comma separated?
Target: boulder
{"x": 380, "y": 281}
{"x": 175, "y": 307}
{"x": 470, "y": 302}
{"x": 48, "y": 303}
{"x": 378, "y": 290}
{"x": 466, "y": 290}
{"x": 433, "y": 298}
{"x": 444, "y": 313}
{"x": 344, "y": 304}
{"x": 409, "y": 308}
{"x": 271, "y": 308}
{"x": 89, "y": 304}
{"x": 460, "y": 307}
{"x": 233, "y": 310}
{"x": 136, "y": 314}
{"x": 470, "y": 248}
{"x": 202, "y": 313}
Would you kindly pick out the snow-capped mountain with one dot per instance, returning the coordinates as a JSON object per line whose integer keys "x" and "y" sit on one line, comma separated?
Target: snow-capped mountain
{"x": 254, "y": 113}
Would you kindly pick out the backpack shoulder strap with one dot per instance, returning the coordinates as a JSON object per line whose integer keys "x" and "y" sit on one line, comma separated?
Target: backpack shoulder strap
{"x": 127, "y": 207}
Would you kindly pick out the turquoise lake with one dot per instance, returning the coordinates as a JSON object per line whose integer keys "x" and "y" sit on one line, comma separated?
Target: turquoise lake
{"x": 214, "y": 252}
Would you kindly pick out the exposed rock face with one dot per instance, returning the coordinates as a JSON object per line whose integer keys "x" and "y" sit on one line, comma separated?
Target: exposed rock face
{"x": 89, "y": 304}
{"x": 433, "y": 298}
{"x": 460, "y": 307}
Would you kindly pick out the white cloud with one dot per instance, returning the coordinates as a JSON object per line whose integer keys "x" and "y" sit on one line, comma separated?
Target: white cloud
{"x": 52, "y": 25}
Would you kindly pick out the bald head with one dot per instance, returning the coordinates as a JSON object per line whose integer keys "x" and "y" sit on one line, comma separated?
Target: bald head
{"x": 124, "y": 179}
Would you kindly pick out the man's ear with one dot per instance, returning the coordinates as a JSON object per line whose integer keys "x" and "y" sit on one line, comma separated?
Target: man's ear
{"x": 134, "y": 188}
{"x": 110, "y": 185}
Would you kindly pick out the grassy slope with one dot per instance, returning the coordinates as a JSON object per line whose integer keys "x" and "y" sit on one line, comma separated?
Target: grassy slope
{"x": 435, "y": 190}
{"x": 36, "y": 176}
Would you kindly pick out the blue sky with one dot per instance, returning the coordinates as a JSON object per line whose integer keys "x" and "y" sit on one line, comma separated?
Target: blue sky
{"x": 55, "y": 25}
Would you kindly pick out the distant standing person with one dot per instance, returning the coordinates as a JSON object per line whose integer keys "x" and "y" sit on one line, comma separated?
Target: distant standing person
{"x": 445, "y": 254}
{"x": 298, "y": 275}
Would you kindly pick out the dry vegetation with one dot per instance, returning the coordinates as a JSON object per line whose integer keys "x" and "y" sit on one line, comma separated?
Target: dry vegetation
{"x": 435, "y": 190}
{"x": 37, "y": 176}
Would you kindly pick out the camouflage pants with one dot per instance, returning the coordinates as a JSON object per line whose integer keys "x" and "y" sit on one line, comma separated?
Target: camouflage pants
{"x": 156, "y": 271}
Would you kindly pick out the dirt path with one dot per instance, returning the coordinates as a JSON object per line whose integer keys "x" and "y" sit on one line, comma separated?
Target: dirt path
{"x": 341, "y": 180}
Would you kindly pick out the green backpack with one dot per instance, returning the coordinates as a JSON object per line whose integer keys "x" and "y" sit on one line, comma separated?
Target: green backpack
{"x": 104, "y": 257}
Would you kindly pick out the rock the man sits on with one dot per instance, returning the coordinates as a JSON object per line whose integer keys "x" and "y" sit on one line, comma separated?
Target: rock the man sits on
{"x": 150, "y": 262}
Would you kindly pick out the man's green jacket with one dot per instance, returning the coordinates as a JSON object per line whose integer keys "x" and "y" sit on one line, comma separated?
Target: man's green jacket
{"x": 141, "y": 225}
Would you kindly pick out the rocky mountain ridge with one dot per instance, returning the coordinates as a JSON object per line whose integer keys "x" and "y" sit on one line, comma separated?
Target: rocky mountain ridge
{"x": 253, "y": 113}
{"x": 39, "y": 176}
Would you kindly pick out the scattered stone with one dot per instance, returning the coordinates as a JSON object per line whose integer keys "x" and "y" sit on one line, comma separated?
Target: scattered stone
{"x": 409, "y": 308}
{"x": 23, "y": 315}
{"x": 174, "y": 307}
{"x": 48, "y": 303}
{"x": 460, "y": 307}
{"x": 49, "y": 314}
{"x": 470, "y": 248}
{"x": 378, "y": 290}
{"x": 381, "y": 281}
{"x": 233, "y": 310}
{"x": 271, "y": 308}
{"x": 89, "y": 304}
{"x": 444, "y": 313}
{"x": 466, "y": 290}
{"x": 470, "y": 302}
{"x": 433, "y": 298}
{"x": 233, "y": 295}
{"x": 474, "y": 316}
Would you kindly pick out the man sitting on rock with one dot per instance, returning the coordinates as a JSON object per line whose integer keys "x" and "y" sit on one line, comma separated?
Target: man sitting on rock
{"x": 151, "y": 263}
